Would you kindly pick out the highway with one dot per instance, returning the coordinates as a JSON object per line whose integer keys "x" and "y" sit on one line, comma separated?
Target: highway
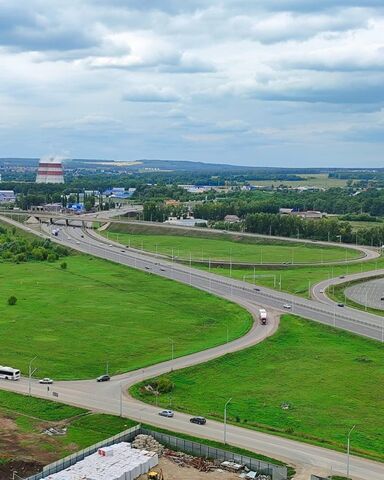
{"x": 111, "y": 397}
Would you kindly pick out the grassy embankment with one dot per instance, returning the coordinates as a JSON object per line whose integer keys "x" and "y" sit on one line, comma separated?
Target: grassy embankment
{"x": 237, "y": 249}
{"x": 27, "y": 417}
{"x": 330, "y": 379}
{"x": 75, "y": 320}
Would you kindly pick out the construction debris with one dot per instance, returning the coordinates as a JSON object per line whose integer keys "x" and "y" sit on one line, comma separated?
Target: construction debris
{"x": 184, "y": 460}
{"x": 54, "y": 431}
{"x": 147, "y": 442}
{"x": 181, "y": 459}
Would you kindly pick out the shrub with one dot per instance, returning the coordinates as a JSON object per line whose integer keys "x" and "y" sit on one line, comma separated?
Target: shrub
{"x": 163, "y": 385}
{"x": 63, "y": 265}
{"x": 12, "y": 300}
{"x": 51, "y": 258}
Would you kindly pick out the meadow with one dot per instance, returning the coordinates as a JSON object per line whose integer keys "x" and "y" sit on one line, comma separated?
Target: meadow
{"x": 308, "y": 382}
{"x": 78, "y": 319}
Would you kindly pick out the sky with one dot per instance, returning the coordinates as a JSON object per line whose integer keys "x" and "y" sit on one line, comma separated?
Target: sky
{"x": 291, "y": 83}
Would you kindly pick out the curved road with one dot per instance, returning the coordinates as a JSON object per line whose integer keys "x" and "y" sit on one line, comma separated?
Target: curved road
{"x": 109, "y": 397}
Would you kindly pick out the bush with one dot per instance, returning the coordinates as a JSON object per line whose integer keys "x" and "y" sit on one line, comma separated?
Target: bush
{"x": 163, "y": 385}
{"x": 12, "y": 300}
{"x": 51, "y": 258}
{"x": 63, "y": 265}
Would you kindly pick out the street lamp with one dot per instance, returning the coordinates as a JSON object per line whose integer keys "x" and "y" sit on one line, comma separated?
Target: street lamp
{"x": 30, "y": 373}
{"x": 225, "y": 420}
{"x": 348, "y": 445}
{"x": 172, "y": 348}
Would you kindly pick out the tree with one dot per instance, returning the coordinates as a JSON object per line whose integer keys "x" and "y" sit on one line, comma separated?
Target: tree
{"x": 12, "y": 300}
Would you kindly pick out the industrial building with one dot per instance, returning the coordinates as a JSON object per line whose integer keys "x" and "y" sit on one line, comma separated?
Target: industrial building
{"x": 7, "y": 196}
{"x": 50, "y": 170}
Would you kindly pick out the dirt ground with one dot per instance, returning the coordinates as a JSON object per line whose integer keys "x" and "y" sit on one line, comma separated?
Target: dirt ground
{"x": 23, "y": 449}
{"x": 172, "y": 471}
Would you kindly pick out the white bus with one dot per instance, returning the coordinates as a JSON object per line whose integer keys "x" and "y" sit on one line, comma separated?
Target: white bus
{"x": 8, "y": 373}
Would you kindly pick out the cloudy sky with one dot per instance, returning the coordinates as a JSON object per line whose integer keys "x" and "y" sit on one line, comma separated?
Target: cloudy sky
{"x": 255, "y": 82}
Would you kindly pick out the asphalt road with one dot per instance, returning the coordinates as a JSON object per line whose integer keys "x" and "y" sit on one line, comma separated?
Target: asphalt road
{"x": 110, "y": 397}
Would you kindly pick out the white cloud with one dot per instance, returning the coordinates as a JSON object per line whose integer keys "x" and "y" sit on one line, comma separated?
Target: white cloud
{"x": 163, "y": 78}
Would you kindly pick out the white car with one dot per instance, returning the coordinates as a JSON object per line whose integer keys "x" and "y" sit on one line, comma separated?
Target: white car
{"x": 287, "y": 306}
{"x": 166, "y": 413}
{"x": 46, "y": 381}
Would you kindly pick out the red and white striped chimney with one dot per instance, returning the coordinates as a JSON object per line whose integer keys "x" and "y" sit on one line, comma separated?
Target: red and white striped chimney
{"x": 50, "y": 171}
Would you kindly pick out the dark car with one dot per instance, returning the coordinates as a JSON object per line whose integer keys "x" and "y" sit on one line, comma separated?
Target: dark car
{"x": 103, "y": 378}
{"x": 257, "y": 289}
{"x": 198, "y": 420}
{"x": 340, "y": 304}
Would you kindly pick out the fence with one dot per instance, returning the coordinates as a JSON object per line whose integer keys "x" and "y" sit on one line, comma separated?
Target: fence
{"x": 197, "y": 449}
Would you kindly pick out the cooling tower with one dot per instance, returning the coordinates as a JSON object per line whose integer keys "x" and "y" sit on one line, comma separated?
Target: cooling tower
{"x": 50, "y": 171}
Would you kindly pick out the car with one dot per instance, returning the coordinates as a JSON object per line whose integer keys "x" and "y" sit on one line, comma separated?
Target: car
{"x": 82, "y": 236}
{"x": 122, "y": 251}
{"x": 162, "y": 269}
{"x": 103, "y": 378}
{"x": 46, "y": 381}
{"x": 147, "y": 268}
{"x": 322, "y": 290}
{"x": 78, "y": 243}
{"x": 257, "y": 289}
{"x": 382, "y": 298}
{"x": 342, "y": 276}
{"x": 340, "y": 304}
{"x": 198, "y": 420}
{"x": 287, "y": 306}
{"x": 166, "y": 413}
{"x": 110, "y": 245}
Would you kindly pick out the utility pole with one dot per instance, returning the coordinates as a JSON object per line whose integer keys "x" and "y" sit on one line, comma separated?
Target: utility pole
{"x": 30, "y": 373}
{"x": 121, "y": 400}
{"x": 225, "y": 420}
{"x": 348, "y": 448}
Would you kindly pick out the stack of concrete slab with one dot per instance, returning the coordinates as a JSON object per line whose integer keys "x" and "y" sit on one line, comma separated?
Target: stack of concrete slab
{"x": 118, "y": 462}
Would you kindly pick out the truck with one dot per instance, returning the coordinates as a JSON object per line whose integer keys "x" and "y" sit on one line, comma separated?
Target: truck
{"x": 263, "y": 316}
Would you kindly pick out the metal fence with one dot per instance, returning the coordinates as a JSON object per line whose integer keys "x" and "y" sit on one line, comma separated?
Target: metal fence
{"x": 197, "y": 449}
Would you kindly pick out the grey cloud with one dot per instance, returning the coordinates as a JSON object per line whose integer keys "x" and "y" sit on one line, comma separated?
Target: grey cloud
{"x": 337, "y": 94}
{"x": 31, "y": 29}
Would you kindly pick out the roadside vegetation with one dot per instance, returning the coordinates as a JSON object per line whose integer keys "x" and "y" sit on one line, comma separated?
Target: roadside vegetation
{"x": 308, "y": 382}
{"x": 18, "y": 248}
{"x": 236, "y": 249}
{"x": 93, "y": 312}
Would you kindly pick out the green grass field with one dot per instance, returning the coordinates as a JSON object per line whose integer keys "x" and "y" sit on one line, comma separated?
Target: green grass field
{"x": 76, "y": 320}
{"x": 240, "y": 249}
{"x": 330, "y": 379}
{"x": 320, "y": 180}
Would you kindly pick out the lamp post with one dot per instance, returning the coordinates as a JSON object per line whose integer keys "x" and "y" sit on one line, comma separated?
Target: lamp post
{"x": 348, "y": 448}
{"x": 172, "y": 348}
{"x": 225, "y": 419}
{"x": 30, "y": 373}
